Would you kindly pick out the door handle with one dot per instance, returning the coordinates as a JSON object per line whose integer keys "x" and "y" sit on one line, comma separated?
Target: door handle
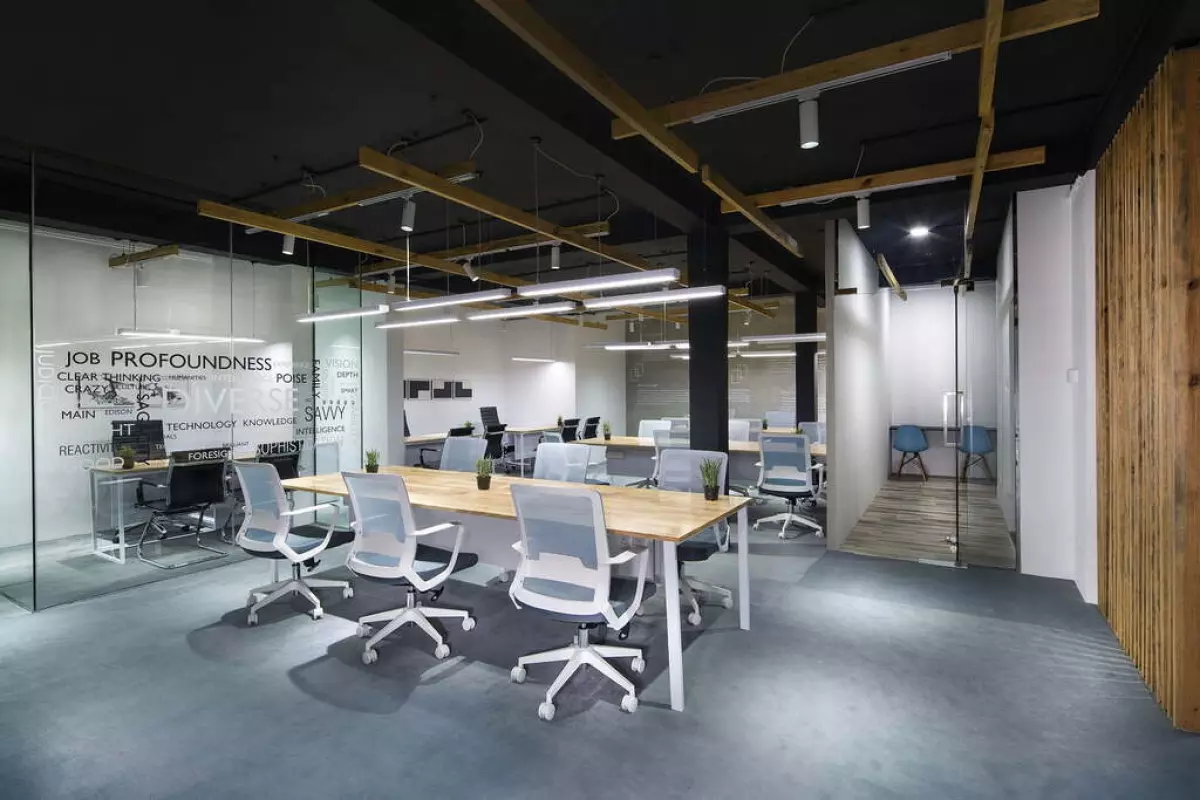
{"x": 946, "y": 440}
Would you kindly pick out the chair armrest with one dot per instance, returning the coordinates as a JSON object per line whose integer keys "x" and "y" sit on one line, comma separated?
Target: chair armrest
{"x": 517, "y": 546}
{"x": 437, "y": 580}
{"x": 432, "y": 529}
{"x": 317, "y": 507}
{"x": 152, "y": 484}
{"x": 624, "y": 557}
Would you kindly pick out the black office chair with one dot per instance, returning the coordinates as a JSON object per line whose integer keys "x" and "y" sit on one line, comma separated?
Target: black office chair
{"x": 570, "y": 429}
{"x": 193, "y": 487}
{"x": 460, "y": 431}
{"x": 488, "y": 416}
{"x": 494, "y": 434}
{"x": 590, "y": 426}
{"x": 422, "y": 451}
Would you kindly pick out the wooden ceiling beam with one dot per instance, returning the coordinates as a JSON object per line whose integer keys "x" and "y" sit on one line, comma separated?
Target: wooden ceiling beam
{"x": 1018, "y": 23}
{"x": 890, "y": 276}
{"x": 746, "y": 207}
{"x": 988, "y": 58}
{"x": 126, "y": 259}
{"x": 241, "y": 216}
{"x": 469, "y": 198}
{"x": 1012, "y": 159}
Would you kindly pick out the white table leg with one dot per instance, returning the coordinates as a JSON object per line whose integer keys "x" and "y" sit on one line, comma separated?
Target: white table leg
{"x": 674, "y": 629}
{"x": 743, "y": 557}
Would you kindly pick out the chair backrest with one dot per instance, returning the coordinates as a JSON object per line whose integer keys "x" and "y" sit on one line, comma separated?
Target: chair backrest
{"x": 781, "y": 419}
{"x": 381, "y": 517}
{"x": 286, "y": 464}
{"x": 406, "y": 432}
{"x": 667, "y": 440}
{"x": 647, "y": 427}
{"x": 570, "y": 429}
{"x": 786, "y": 463}
{"x": 552, "y": 436}
{"x": 489, "y": 416}
{"x": 681, "y": 426}
{"x": 815, "y": 431}
{"x": 910, "y": 439}
{"x": 460, "y": 453}
{"x": 590, "y": 426}
{"x": 975, "y": 440}
{"x": 494, "y": 437}
{"x": 562, "y": 462}
{"x": 739, "y": 430}
{"x": 265, "y": 504}
{"x": 679, "y": 470}
{"x": 196, "y": 478}
{"x": 564, "y": 563}
{"x": 459, "y": 432}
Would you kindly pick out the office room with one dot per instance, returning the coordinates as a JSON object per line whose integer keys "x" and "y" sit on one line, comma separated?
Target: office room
{"x": 411, "y": 397}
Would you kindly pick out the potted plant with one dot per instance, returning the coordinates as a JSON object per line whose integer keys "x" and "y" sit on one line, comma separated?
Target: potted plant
{"x": 764, "y": 423}
{"x": 470, "y": 426}
{"x": 372, "y": 461}
{"x": 483, "y": 473}
{"x": 560, "y": 422}
{"x": 607, "y": 432}
{"x": 127, "y": 456}
{"x": 710, "y": 474}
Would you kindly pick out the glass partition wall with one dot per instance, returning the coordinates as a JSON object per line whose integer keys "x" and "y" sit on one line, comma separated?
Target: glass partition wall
{"x": 111, "y": 358}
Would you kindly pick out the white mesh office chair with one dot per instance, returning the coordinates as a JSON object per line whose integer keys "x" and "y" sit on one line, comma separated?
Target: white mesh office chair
{"x": 679, "y": 471}
{"x": 553, "y": 437}
{"x": 647, "y": 427}
{"x": 459, "y": 453}
{"x": 785, "y": 470}
{"x": 561, "y": 462}
{"x": 267, "y": 532}
{"x": 781, "y": 419}
{"x": 566, "y": 572}
{"x": 386, "y": 550}
{"x": 739, "y": 430}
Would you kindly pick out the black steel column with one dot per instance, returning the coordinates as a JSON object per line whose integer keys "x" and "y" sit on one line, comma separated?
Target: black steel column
{"x": 708, "y": 333}
{"x": 806, "y": 379}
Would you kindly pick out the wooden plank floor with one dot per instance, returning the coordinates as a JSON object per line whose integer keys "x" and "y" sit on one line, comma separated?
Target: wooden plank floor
{"x": 910, "y": 520}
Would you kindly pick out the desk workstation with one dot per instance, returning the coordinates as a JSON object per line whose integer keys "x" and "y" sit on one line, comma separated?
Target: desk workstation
{"x": 665, "y": 519}
{"x": 633, "y": 456}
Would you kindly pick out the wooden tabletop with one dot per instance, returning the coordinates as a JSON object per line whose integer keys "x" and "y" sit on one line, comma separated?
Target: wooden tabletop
{"x": 156, "y": 465}
{"x": 533, "y": 429}
{"x": 734, "y": 446}
{"x": 425, "y": 438}
{"x": 641, "y": 513}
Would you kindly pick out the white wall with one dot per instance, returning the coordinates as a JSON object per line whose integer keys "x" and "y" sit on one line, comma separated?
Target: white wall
{"x": 858, "y": 382}
{"x": 1083, "y": 395}
{"x": 524, "y": 393}
{"x": 1006, "y": 379}
{"x": 922, "y": 334}
{"x": 1055, "y": 277}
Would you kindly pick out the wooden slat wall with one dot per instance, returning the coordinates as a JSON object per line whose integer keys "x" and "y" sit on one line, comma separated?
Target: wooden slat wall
{"x": 1148, "y": 388}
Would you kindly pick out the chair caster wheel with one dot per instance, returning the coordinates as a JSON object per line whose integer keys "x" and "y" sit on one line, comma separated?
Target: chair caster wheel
{"x": 364, "y": 631}
{"x": 756, "y": 526}
{"x": 623, "y": 634}
{"x": 694, "y": 618}
{"x": 546, "y": 711}
{"x": 370, "y": 656}
{"x": 252, "y": 619}
{"x": 518, "y": 674}
{"x": 437, "y": 595}
{"x": 316, "y": 614}
{"x": 727, "y": 602}
{"x": 348, "y": 592}
{"x": 441, "y": 651}
{"x": 638, "y": 665}
{"x": 641, "y": 611}
{"x": 629, "y": 703}
{"x": 468, "y": 623}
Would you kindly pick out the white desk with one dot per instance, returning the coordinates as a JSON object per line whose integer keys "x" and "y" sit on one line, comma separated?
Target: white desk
{"x": 664, "y": 517}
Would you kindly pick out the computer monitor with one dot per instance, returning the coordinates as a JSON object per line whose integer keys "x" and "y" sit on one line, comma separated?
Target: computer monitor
{"x": 143, "y": 436}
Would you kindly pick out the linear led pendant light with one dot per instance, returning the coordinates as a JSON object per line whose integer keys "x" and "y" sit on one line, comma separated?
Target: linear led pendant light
{"x": 639, "y": 346}
{"x": 416, "y": 352}
{"x": 779, "y": 338}
{"x": 174, "y": 334}
{"x": 487, "y": 296}
{"x": 524, "y": 311}
{"x": 532, "y": 360}
{"x": 445, "y": 319}
{"x": 810, "y": 92}
{"x": 769, "y": 354}
{"x": 647, "y": 278}
{"x": 350, "y": 313}
{"x": 655, "y": 298}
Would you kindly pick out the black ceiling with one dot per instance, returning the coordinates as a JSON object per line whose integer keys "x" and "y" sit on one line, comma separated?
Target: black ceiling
{"x": 138, "y": 109}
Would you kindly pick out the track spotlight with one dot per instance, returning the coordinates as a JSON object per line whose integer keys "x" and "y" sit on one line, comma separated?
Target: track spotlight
{"x": 810, "y": 135}
{"x": 556, "y": 256}
{"x": 470, "y": 272}
{"x": 289, "y": 244}
{"x": 864, "y": 213}
{"x": 408, "y": 217}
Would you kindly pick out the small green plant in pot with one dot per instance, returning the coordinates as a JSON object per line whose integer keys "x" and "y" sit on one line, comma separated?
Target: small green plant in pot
{"x": 483, "y": 473}
{"x": 764, "y": 423}
{"x": 710, "y": 475}
{"x": 560, "y": 422}
{"x": 469, "y": 425}
{"x": 127, "y": 456}
{"x": 607, "y": 431}
{"x": 372, "y": 461}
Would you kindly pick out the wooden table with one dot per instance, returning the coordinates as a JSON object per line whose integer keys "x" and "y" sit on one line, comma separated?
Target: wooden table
{"x": 425, "y": 438}
{"x": 635, "y": 455}
{"x": 667, "y": 518}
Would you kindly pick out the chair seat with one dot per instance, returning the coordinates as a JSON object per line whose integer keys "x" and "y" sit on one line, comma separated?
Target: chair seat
{"x": 787, "y": 492}
{"x": 700, "y": 547}
{"x": 161, "y": 506}
{"x": 621, "y": 593}
{"x": 429, "y": 562}
{"x": 301, "y": 538}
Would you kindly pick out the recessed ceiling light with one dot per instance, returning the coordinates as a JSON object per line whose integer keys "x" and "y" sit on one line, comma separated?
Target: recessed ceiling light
{"x": 918, "y": 231}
